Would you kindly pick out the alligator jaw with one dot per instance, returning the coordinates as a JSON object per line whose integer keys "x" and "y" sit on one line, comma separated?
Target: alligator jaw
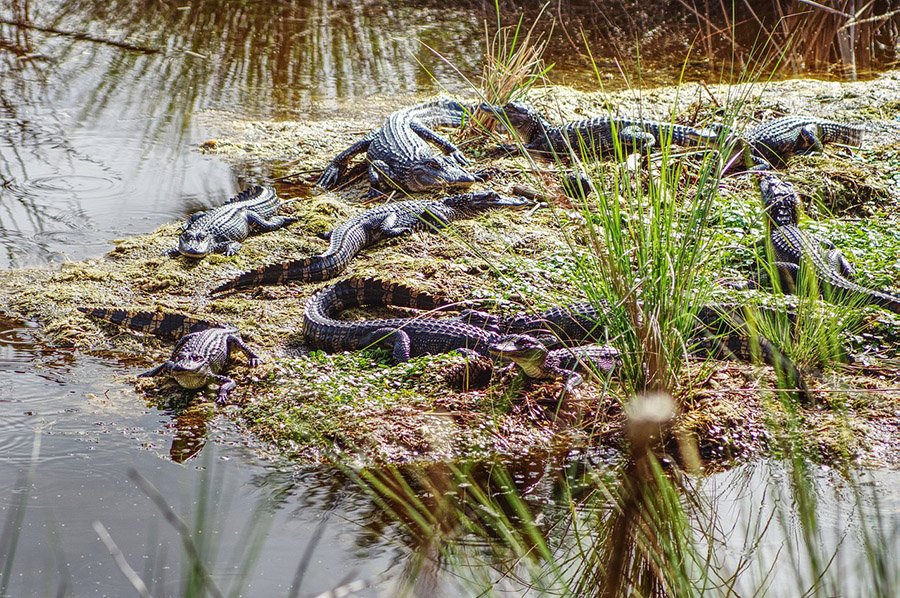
{"x": 432, "y": 172}
{"x": 190, "y": 252}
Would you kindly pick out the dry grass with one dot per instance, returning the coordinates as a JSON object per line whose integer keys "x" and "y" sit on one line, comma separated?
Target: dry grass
{"x": 513, "y": 63}
{"x": 845, "y": 38}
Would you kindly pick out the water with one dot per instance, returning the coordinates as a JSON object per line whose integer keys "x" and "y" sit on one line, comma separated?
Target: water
{"x": 99, "y": 142}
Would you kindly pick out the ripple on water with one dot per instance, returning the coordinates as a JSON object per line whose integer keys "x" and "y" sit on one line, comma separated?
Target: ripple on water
{"x": 74, "y": 183}
{"x": 45, "y": 189}
{"x": 46, "y": 392}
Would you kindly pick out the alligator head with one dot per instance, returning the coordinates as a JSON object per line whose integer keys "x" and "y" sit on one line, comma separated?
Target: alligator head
{"x": 438, "y": 171}
{"x": 486, "y": 199}
{"x": 195, "y": 243}
{"x": 519, "y": 117}
{"x": 191, "y": 370}
{"x": 527, "y": 352}
{"x": 780, "y": 200}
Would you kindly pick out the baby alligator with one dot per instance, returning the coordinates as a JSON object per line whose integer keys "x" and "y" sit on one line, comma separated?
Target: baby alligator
{"x": 221, "y": 229}
{"x": 202, "y": 353}
{"x": 594, "y": 138}
{"x": 382, "y": 222}
{"x": 792, "y": 246}
{"x": 399, "y": 156}
{"x": 719, "y": 330}
{"x": 537, "y": 361}
{"x": 406, "y": 337}
{"x": 773, "y": 142}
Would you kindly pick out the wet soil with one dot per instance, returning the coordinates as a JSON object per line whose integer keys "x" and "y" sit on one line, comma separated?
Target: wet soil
{"x": 311, "y": 406}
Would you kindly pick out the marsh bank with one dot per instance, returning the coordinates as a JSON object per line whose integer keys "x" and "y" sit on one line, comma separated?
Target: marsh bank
{"x": 308, "y": 405}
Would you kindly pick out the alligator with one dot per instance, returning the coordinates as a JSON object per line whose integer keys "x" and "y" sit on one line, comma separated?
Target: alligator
{"x": 412, "y": 337}
{"x": 771, "y": 143}
{"x": 593, "y": 138}
{"x": 536, "y": 361}
{"x": 719, "y": 330}
{"x": 203, "y": 351}
{"x": 221, "y": 229}
{"x": 382, "y": 222}
{"x": 399, "y": 156}
{"x": 792, "y": 247}
{"x": 406, "y": 337}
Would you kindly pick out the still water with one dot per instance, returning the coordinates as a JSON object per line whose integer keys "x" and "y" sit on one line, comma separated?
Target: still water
{"x": 97, "y": 142}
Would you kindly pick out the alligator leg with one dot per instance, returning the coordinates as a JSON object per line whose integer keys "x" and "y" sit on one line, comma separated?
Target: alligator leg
{"x": 334, "y": 172}
{"x": 634, "y": 139}
{"x": 840, "y": 264}
{"x": 228, "y": 248}
{"x": 836, "y": 258}
{"x": 236, "y": 342}
{"x": 380, "y": 179}
{"x": 388, "y": 227}
{"x": 393, "y": 338}
{"x": 576, "y": 184}
{"x": 440, "y": 141}
{"x": 158, "y": 370}
{"x": 276, "y": 222}
{"x": 810, "y": 134}
{"x": 571, "y": 379}
{"x": 474, "y": 373}
{"x": 226, "y": 385}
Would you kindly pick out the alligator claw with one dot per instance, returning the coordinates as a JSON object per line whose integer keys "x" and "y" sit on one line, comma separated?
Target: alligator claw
{"x": 329, "y": 177}
{"x": 459, "y": 158}
{"x": 486, "y": 174}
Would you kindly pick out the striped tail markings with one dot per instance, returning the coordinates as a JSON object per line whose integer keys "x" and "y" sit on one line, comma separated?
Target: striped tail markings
{"x": 306, "y": 269}
{"x": 158, "y": 323}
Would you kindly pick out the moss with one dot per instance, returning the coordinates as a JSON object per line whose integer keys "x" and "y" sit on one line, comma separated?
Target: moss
{"x": 312, "y": 405}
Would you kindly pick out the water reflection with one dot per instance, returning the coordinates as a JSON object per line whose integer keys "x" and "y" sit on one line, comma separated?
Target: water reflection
{"x": 121, "y": 118}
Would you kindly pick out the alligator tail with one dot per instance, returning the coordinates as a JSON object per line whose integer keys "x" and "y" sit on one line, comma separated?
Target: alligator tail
{"x": 847, "y": 134}
{"x": 308, "y": 269}
{"x": 169, "y": 325}
{"x": 867, "y": 295}
{"x": 841, "y": 285}
{"x": 252, "y": 191}
{"x": 356, "y": 292}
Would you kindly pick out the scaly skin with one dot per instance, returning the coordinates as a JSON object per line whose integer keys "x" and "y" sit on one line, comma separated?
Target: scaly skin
{"x": 536, "y": 361}
{"x": 407, "y": 337}
{"x": 594, "y": 138}
{"x": 792, "y": 246}
{"x": 399, "y": 154}
{"x": 773, "y": 142}
{"x": 383, "y": 222}
{"x": 720, "y": 330}
{"x": 202, "y": 353}
{"x": 221, "y": 229}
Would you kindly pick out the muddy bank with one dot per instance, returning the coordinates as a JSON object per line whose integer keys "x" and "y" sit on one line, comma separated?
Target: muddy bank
{"x": 309, "y": 406}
